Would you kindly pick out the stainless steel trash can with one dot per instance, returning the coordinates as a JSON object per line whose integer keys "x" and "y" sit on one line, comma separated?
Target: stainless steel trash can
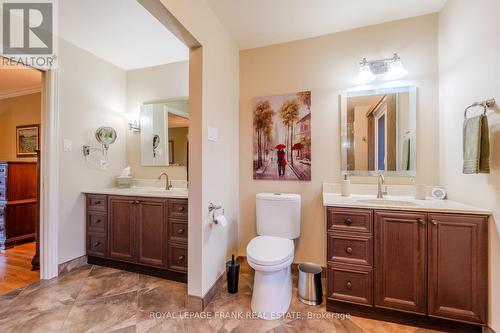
{"x": 310, "y": 289}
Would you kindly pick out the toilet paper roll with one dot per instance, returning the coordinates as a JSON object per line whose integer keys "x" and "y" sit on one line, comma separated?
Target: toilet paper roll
{"x": 221, "y": 220}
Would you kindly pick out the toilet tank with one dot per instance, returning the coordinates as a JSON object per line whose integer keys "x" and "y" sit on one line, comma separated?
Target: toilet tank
{"x": 278, "y": 214}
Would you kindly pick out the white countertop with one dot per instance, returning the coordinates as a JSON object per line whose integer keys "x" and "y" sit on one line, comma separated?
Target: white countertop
{"x": 155, "y": 192}
{"x": 406, "y": 203}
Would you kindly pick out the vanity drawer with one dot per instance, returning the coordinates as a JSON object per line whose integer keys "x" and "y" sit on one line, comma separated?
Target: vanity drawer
{"x": 350, "y": 220}
{"x": 97, "y": 203}
{"x": 177, "y": 257}
{"x": 96, "y": 244}
{"x": 350, "y": 248}
{"x": 178, "y": 231}
{"x": 350, "y": 284}
{"x": 97, "y": 222}
{"x": 178, "y": 209}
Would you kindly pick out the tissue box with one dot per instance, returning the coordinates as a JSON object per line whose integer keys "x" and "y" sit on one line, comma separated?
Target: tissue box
{"x": 124, "y": 181}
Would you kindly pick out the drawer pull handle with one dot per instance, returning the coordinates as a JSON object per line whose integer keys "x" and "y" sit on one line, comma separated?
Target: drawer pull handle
{"x": 181, "y": 231}
{"x": 434, "y": 222}
{"x": 180, "y": 258}
{"x": 136, "y": 202}
{"x": 421, "y": 221}
{"x": 348, "y": 221}
{"x": 97, "y": 244}
{"x": 181, "y": 208}
{"x": 97, "y": 221}
{"x": 348, "y": 285}
{"x": 98, "y": 202}
{"x": 348, "y": 250}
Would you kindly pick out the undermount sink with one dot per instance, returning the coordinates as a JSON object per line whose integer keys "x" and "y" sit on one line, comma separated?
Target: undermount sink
{"x": 387, "y": 202}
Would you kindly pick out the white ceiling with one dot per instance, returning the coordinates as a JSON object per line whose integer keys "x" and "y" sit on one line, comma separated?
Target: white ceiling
{"x": 255, "y": 23}
{"x": 119, "y": 31}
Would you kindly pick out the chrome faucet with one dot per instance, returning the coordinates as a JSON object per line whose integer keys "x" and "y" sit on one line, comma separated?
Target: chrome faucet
{"x": 381, "y": 181}
{"x": 167, "y": 185}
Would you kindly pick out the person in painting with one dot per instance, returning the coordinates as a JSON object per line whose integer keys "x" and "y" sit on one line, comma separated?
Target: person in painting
{"x": 281, "y": 162}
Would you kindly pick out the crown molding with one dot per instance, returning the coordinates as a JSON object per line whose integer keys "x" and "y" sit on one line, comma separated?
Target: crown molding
{"x": 20, "y": 92}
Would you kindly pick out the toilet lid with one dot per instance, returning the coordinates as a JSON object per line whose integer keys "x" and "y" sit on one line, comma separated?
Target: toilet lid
{"x": 269, "y": 250}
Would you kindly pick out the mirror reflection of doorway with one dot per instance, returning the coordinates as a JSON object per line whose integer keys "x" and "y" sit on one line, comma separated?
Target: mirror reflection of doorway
{"x": 380, "y": 142}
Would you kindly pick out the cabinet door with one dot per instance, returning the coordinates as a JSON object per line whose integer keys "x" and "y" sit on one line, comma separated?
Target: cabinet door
{"x": 121, "y": 228}
{"x": 152, "y": 232}
{"x": 458, "y": 267}
{"x": 400, "y": 261}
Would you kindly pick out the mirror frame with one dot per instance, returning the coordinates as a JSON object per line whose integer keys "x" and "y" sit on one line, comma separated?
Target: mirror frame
{"x": 412, "y": 90}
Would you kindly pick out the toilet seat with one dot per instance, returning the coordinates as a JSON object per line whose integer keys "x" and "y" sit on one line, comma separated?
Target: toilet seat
{"x": 270, "y": 250}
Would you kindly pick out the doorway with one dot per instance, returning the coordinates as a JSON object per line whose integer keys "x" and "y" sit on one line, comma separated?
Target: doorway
{"x": 20, "y": 146}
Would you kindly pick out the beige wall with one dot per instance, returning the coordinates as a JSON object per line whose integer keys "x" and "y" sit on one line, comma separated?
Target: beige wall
{"x": 327, "y": 66}
{"x": 150, "y": 85}
{"x": 213, "y": 171}
{"x": 92, "y": 93}
{"x": 469, "y": 71}
{"x": 16, "y": 111}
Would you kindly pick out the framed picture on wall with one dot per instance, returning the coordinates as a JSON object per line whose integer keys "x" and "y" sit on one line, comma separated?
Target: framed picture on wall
{"x": 27, "y": 140}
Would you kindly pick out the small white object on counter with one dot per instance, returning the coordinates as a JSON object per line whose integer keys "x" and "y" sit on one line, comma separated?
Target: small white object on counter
{"x": 420, "y": 191}
{"x": 345, "y": 187}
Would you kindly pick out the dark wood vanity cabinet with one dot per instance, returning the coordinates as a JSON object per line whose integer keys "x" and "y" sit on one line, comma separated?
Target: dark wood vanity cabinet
{"x": 148, "y": 235}
{"x": 427, "y": 265}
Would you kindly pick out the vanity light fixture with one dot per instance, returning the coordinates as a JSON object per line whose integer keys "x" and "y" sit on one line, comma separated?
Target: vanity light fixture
{"x": 133, "y": 122}
{"x": 391, "y": 68}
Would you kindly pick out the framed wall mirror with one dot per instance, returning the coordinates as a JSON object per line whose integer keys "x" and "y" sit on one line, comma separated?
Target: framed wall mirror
{"x": 378, "y": 129}
{"x": 164, "y": 133}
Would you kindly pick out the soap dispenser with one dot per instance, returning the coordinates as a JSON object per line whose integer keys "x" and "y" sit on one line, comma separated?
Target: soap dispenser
{"x": 345, "y": 186}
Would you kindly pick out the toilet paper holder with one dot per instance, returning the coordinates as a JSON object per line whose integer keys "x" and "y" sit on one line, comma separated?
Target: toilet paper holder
{"x": 212, "y": 208}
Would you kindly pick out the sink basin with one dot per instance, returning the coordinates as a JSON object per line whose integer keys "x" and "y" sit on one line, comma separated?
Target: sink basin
{"x": 156, "y": 191}
{"x": 387, "y": 202}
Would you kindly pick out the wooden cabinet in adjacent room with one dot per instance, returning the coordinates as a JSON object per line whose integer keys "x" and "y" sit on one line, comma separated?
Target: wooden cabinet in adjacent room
{"x": 18, "y": 202}
{"x": 143, "y": 234}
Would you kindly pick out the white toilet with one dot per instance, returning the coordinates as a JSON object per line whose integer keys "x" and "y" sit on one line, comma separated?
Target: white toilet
{"x": 271, "y": 253}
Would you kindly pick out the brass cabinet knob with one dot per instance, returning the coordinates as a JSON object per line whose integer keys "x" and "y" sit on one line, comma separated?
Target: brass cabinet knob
{"x": 348, "y": 250}
{"x": 421, "y": 221}
{"x": 348, "y": 221}
{"x": 98, "y": 202}
{"x": 180, "y": 231}
{"x": 97, "y": 244}
{"x": 434, "y": 222}
{"x": 181, "y": 208}
{"x": 348, "y": 285}
{"x": 97, "y": 221}
{"x": 180, "y": 258}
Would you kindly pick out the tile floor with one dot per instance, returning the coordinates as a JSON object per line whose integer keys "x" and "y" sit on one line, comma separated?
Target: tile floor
{"x": 98, "y": 299}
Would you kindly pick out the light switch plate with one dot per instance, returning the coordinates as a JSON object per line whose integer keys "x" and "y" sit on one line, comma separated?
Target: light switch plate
{"x": 213, "y": 134}
{"x": 68, "y": 145}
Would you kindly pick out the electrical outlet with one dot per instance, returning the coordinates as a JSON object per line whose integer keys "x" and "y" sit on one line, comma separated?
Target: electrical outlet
{"x": 104, "y": 165}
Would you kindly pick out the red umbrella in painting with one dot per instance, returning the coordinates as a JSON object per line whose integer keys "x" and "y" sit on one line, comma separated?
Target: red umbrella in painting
{"x": 297, "y": 146}
{"x": 280, "y": 146}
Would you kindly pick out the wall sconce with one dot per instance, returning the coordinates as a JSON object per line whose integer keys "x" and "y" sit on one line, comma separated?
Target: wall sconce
{"x": 392, "y": 68}
{"x": 133, "y": 122}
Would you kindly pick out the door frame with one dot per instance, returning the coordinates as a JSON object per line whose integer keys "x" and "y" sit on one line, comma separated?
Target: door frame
{"x": 49, "y": 171}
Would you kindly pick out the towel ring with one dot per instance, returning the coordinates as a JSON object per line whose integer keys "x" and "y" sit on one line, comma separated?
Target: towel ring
{"x": 485, "y": 104}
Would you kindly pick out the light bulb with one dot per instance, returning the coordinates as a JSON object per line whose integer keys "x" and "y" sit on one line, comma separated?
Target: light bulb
{"x": 396, "y": 70}
{"x": 365, "y": 74}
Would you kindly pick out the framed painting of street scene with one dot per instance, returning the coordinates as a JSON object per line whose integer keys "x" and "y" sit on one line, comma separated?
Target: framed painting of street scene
{"x": 282, "y": 137}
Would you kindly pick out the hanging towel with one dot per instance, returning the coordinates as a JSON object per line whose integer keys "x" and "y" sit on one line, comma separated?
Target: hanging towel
{"x": 405, "y": 158}
{"x": 476, "y": 145}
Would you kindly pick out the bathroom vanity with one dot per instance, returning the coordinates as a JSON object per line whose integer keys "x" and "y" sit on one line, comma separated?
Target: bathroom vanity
{"x": 420, "y": 262}
{"x": 141, "y": 230}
